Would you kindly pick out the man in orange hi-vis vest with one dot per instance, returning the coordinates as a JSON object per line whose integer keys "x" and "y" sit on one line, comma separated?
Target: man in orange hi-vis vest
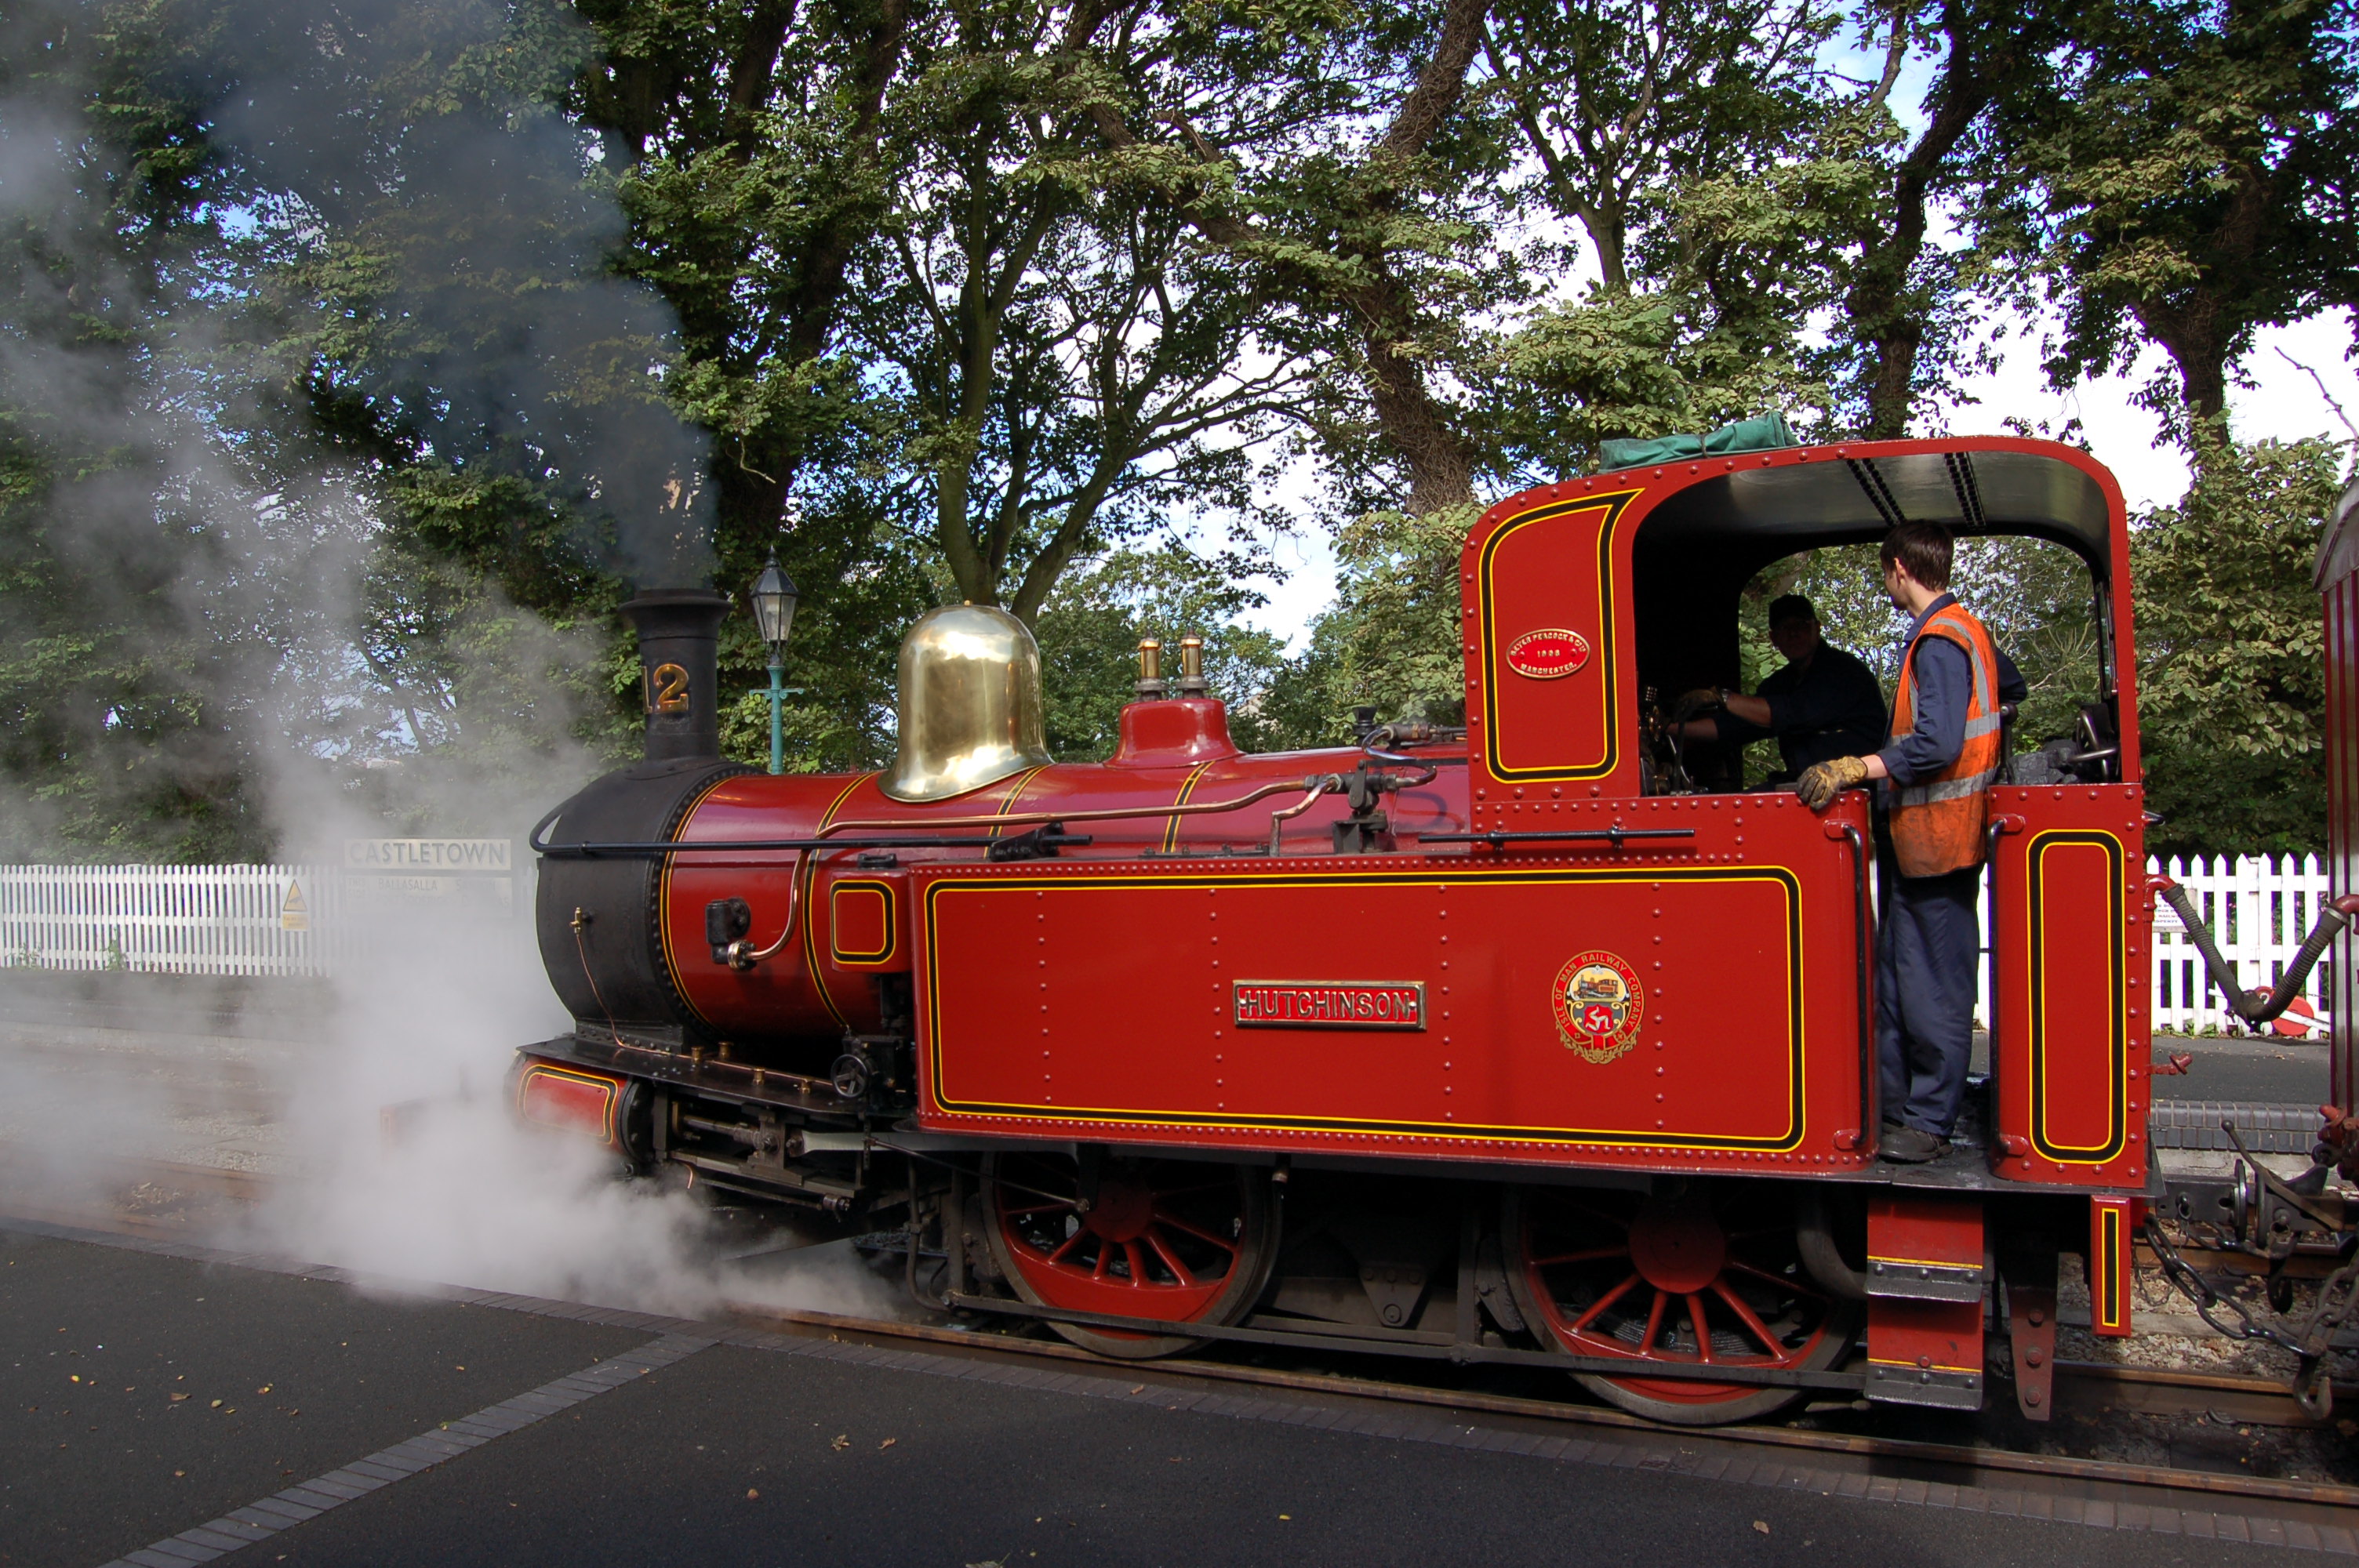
{"x": 1939, "y": 763}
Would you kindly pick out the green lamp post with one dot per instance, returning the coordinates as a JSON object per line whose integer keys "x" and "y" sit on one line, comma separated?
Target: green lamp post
{"x": 773, "y": 599}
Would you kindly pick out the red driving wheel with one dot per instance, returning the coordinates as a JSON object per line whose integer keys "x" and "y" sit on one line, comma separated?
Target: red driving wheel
{"x": 1706, "y": 1278}
{"x": 1178, "y": 1240}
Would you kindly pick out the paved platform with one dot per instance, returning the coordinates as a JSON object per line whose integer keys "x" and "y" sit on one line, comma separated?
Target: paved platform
{"x": 319, "y": 1423}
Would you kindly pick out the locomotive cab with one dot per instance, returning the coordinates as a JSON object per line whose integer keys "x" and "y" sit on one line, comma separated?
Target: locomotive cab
{"x": 1644, "y": 572}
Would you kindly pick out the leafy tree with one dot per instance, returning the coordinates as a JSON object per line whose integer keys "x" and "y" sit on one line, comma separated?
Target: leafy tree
{"x": 1089, "y": 630}
{"x": 2192, "y": 164}
{"x": 1391, "y": 640}
{"x": 1063, "y": 365}
{"x": 2230, "y": 652}
{"x": 1347, "y": 172}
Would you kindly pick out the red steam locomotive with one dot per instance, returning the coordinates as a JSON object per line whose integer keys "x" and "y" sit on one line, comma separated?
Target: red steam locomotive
{"x": 1516, "y": 1043}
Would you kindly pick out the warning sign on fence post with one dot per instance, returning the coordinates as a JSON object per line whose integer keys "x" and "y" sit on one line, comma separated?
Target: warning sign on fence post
{"x": 294, "y": 914}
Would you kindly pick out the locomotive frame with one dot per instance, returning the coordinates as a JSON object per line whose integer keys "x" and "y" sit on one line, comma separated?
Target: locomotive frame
{"x": 1179, "y": 1047}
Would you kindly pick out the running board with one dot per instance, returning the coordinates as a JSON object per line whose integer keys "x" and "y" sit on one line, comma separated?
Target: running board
{"x": 1423, "y": 1349}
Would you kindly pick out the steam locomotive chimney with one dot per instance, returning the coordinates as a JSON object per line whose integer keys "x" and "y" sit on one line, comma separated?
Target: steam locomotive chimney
{"x": 679, "y": 677}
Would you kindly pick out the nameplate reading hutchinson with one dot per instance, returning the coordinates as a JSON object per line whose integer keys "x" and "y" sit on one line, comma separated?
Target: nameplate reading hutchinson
{"x": 1330, "y": 1004}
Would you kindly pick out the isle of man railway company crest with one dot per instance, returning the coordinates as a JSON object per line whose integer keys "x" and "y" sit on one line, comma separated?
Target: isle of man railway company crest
{"x": 1599, "y": 1005}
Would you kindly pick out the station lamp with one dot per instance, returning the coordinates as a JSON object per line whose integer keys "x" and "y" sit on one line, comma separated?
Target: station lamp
{"x": 773, "y": 599}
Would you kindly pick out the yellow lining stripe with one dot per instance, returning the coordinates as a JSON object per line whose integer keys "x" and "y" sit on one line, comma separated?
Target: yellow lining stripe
{"x": 803, "y": 896}
{"x": 1798, "y": 1033}
{"x": 1187, "y": 788}
{"x": 663, "y": 900}
{"x": 1613, "y": 504}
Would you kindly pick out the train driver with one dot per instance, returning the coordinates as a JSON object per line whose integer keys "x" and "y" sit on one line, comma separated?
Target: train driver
{"x": 1824, "y": 703}
{"x": 1937, "y": 768}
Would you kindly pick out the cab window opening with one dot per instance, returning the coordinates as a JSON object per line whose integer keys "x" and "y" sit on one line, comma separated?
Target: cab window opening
{"x": 2037, "y": 596}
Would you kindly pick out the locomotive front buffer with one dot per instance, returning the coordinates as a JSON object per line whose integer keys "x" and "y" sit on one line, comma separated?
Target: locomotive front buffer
{"x": 1514, "y": 1031}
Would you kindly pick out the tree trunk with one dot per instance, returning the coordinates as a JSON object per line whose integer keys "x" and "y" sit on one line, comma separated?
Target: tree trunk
{"x": 1886, "y": 321}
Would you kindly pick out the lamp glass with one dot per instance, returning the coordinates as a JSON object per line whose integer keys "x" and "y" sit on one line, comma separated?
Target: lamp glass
{"x": 774, "y": 603}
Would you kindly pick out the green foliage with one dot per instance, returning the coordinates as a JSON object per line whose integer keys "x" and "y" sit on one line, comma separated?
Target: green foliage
{"x": 1392, "y": 640}
{"x": 358, "y": 362}
{"x": 1090, "y": 630}
{"x": 2191, "y": 167}
{"x": 2230, "y": 652}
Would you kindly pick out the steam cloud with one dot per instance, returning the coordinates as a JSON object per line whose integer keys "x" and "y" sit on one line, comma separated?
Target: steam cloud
{"x": 473, "y": 236}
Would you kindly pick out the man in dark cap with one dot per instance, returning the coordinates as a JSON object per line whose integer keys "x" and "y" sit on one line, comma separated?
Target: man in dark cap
{"x": 1824, "y": 703}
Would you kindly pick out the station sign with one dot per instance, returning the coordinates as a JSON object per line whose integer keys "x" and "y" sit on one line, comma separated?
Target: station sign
{"x": 417, "y": 856}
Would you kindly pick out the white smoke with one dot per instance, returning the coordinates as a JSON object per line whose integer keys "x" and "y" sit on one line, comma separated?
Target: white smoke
{"x": 249, "y": 576}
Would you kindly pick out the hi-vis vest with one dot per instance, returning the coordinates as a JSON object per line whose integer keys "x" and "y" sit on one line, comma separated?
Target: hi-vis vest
{"x": 1938, "y": 823}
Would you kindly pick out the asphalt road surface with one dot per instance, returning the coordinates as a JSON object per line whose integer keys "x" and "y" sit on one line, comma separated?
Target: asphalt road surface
{"x": 163, "y": 1407}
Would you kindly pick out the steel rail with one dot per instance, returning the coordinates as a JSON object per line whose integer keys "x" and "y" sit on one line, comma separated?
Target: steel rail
{"x": 1958, "y": 1455}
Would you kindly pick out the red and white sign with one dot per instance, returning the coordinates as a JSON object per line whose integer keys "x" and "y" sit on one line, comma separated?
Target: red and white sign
{"x": 1549, "y": 654}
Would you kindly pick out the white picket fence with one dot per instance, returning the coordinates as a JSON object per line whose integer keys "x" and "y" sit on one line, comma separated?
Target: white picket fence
{"x": 180, "y": 920}
{"x": 2259, "y": 909}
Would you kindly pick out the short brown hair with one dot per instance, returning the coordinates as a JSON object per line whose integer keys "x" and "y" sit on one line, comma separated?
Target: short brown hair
{"x": 1923, "y": 547}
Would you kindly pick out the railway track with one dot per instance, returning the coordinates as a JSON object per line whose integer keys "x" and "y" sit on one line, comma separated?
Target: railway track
{"x": 182, "y": 1196}
{"x": 2144, "y": 1391}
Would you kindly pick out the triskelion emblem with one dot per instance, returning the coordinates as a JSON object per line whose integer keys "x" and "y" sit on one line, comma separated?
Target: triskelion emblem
{"x": 1599, "y": 1005}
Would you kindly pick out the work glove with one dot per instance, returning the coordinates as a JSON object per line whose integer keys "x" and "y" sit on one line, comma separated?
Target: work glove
{"x": 1695, "y": 702}
{"x": 1819, "y": 784}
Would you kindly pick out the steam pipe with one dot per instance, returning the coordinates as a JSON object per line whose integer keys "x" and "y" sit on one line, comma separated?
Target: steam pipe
{"x": 1315, "y": 787}
{"x": 658, "y": 848}
{"x": 1280, "y": 817}
{"x": 2332, "y": 921}
{"x": 742, "y": 954}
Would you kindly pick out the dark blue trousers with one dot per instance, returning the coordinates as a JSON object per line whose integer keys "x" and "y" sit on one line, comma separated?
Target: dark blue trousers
{"x": 1928, "y": 948}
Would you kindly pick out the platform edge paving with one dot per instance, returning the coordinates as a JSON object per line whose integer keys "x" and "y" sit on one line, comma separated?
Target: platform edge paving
{"x": 684, "y": 1337}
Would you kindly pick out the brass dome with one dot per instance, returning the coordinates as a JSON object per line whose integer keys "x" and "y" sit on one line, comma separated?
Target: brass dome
{"x": 970, "y": 703}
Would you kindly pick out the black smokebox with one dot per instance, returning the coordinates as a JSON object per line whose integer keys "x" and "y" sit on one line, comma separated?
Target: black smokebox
{"x": 679, "y": 677}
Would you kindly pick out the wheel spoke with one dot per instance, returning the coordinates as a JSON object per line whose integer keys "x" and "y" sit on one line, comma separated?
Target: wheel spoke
{"x": 1590, "y": 1256}
{"x": 1654, "y": 1323}
{"x": 1702, "y": 1328}
{"x": 1075, "y": 1239}
{"x": 1781, "y": 1281}
{"x": 1751, "y": 1320}
{"x": 1106, "y": 1261}
{"x": 1175, "y": 1223}
{"x": 1598, "y": 1306}
{"x": 1171, "y": 1260}
{"x": 1137, "y": 1264}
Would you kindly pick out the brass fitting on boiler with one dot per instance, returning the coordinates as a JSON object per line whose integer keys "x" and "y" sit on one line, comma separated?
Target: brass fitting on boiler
{"x": 1150, "y": 669}
{"x": 1192, "y": 666}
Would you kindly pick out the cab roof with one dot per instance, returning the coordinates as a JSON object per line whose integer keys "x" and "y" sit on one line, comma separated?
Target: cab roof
{"x": 1971, "y": 487}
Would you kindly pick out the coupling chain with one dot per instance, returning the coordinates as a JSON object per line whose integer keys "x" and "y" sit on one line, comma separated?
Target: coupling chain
{"x": 2198, "y": 1291}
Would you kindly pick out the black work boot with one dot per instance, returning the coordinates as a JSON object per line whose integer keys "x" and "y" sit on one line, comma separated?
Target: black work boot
{"x": 1910, "y": 1146}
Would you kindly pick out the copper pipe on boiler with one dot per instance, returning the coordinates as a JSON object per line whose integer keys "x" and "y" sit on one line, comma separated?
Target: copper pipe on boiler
{"x": 742, "y": 955}
{"x": 1279, "y": 819}
{"x": 1314, "y": 788}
